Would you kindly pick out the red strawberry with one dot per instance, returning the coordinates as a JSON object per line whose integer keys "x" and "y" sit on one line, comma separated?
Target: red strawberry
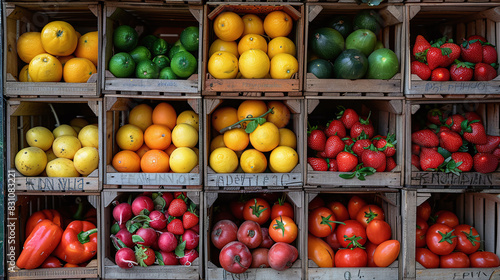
{"x": 321, "y": 154}
{"x": 492, "y": 143}
{"x": 472, "y": 51}
{"x": 415, "y": 149}
{"x": 335, "y": 127}
{"x": 334, "y": 145}
{"x": 455, "y": 53}
{"x": 316, "y": 139}
{"x": 436, "y": 57}
{"x": 440, "y": 75}
{"x": 496, "y": 153}
{"x": 317, "y": 164}
{"x": 464, "y": 158}
{"x": 390, "y": 165}
{"x": 421, "y": 45}
{"x": 177, "y": 194}
{"x": 430, "y": 159}
{"x": 363, "y": 125}
{"x": 443, "y": 128}
{"x": 421, "y": 70}
{"x": 472, "y": 116}
{"x": 388, "y": 145}
{"x": 376, "y": 138}
{"x": 177, "y": 207}
{"x": 347, "y": 116}
{"x": 477, "y": 37}
{"x": 359, "y": 146}
{"x": 455, "y": 122}
{"x": 333, "y": 165}
{"x": 415, "y": 161}
{"x": 190, "y": 219}
{"x": 485, "y": 163}
{"x": 462, "y": 71}
{"x": 346, "y": 162}
{"x": 425, "y": 137}
{"x": 175, "y": 226}
{"x": 484, "y": 72}
{"x": 474, "y": 132}
{"x": 435, "y": 116}
{"x": 450, "y": 141}
{"x": 372, "y": 157}
{"x": 348, "y": 141}
{"x": 489, "y": 54}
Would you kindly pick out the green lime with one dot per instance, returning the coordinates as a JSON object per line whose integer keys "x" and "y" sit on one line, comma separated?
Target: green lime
{"x": 178, "y": 43}
{"x": 140, "y": 53}
{"x": 122, "y": 65}
{"x": 176, "y": 49}
{"x": 167, "y": 73}
{"x": 160, "y": 46}
{"x": 125, "y": 38}
{"x": 190, "y": 38}
{"x": 146, "y": 69}
{"x": 148, "y": 41}
{"x": 162, "y": 61}
{"x": 183, "y": 64}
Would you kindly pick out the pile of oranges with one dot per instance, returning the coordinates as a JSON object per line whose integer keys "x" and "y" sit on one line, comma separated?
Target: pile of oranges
{"x": 58, "y": 52}
{"x": 271, "y": 144}
{"x": 157, "y": 140}
{"x": 252, "y": 57}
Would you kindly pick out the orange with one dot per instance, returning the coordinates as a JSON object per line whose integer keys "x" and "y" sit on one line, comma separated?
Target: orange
{"x": 278, "y": 24}
{"x": 252, "y": 24}
{"x": 78, "y": 70}
{"x": 155, "y": 161}
{"x": 283, "y": 66}
{"x": 223, "y": 46}
{"x": 265, "y": 137}
{"x": 165, "y": 114}
{"x": 64, "y": 59}
{"x": 45, "y": 68}
{"x": 251, "y": 109}
{"x": 224, "y": 117}
{"x": 217, "y": 142}
{"x": 59, "y": 38}
{"x": 158, "y": 137}
{"x": 142, "y": 150}
{"x": 170, "y": 149}
{"x": 24, "y": 75}
{"x": 129, "y": 137}
{"x": 29, "y": 45}
{"x": 127, "y": 161}
{"x": 228, "y": 26}
{"x": 236, "y": 139}
{"x": 252, "y": 41}
{"x": 287, "y": 138}
{"x": 223, "y": 65}
{"x": 280, "y": 45}
{"x": 254, "y": 64}
{"x": 141, "y": 116}
{"x": 280, "y": 115}
{"x": 88, "y": 45}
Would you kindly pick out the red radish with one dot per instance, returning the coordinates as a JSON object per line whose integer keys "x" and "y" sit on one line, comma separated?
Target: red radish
{"x": 196, "y": 228}
{"x": 148, "y": 236}
{"x": 122, "y": 213}
{"x": 125, "y": 258}
{"x": 169, "y": 258}
{"x": 158, "y": 220}
{"x": 126, "y": 237}
{"x": 267, "y": 242}
{"x": 168, "y": 197}
{"x": 192, "y": 239}
{"x": 167, "y": 242}
{"x": 155, "y": 244}
{"x": 189, "y": 257}
{"x": 259, "y": 258}
{"x": 140, "y": 203}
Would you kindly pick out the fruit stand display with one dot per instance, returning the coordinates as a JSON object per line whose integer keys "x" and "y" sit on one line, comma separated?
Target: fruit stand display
{"x": 46, "y": 150}
{"x": 152, "y": 48}
{"x": 257, "y": 234}
{"x": 50, "y": 224}
{"x": 261, "y": 41}
{"x": 354, "y": 48}
{"x": 67, "y": 68}
{"x": 142, "y": 132}
{"x": 461, "y": 24}
{"x": 368, "y": 222}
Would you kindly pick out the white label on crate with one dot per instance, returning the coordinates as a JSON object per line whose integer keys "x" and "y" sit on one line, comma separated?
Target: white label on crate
{"x": 175, "y": 179}
{"x": 472, "y": 275}
{"x": 455, "y": 87}
{"x": 250, "y": 180}
{"x": 55, "y": 184}
{"x": 439, "y": 178}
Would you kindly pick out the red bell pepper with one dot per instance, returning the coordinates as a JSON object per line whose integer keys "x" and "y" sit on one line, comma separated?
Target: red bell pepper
{"x": 47, "y": 214}
{"x": 42, "y": 241}
{"x": 78, "y": 243}
{"x": 51, "y": 262}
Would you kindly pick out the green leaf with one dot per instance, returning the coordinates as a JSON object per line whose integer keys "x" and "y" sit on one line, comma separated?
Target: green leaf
{"x": 159, "y": 203}
{"x": 115, "y": 229}
{"x": 144, "y": 212}
{"x": 179, "y": 250}
{"x": 132, "y": 226}
{"x": 251, "y": 126}
{"x": 137, "y": 238}
{"x": 261, "y": 121}
{"x": 347, "y": 176}
{"x": 159, "y": 258}
{"x": 444, "y": 152}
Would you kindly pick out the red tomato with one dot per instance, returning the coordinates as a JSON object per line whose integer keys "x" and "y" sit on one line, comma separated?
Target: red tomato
{"x": 424, "y": 211}
{"x": 370, "y": 250}
{"x": 333, "y": 241}
{"x": 351, "y": 234}
{"x": 386, "y": 253}
{"x": 355, "y": 203}
{"x": 422, "y": 228}
{"x": 484, "y": 259}
{"x": 321, "y": 222}
{"x": 283, "y": 229}
{"x": 468, "y": 240}
{"x": 281, "y": 208}
{"x": 454, "y": 260}
{"x": 316, "y": 203}
{"x": 440, "y": 239}
{"x": 237, "y": 208}
{"x": 427, "y": 258}
{"x": 369, "y": 213}
{"x": 378, "y": 231}
{"x": 339, "y": 210}
{"x": 257, "y": 210}
{"x": 447, "y": 217}
{"x": 356, "y": 257}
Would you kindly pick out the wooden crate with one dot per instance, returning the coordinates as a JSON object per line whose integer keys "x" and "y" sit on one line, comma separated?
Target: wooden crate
{"x": 318, "y": 15}
{"x": 111, "y": 271}
{"x": 226, "y": 181}
{"x": 390, "y": 202}
{"x": 117, "y": 109}
{"x": 489, "y": 112}
{"x": 478, "y": 209}
{"x": 456, "y": 22}
{"x": 266, "y": 87}
{"x": 347, "y": 1}
{"x": 28, "y": 203}
{"x": 21, "y": 17}
{"x": 25, "y": 113}
{"x": 145, "y": 17}
{"x": 212, "y": 267}
{"x": 387, "y": 116}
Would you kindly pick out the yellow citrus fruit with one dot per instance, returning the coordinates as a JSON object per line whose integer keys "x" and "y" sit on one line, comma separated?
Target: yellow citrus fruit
{"x": 78, "y": 70}
{"x": 59, "y": 38}
{"x": 50, "y": 154}
{"x": 223, "y": 65}
{"x": 79, "y": 122}
{"x": 89, "y": 136}
{"x": 224, "y": 117}
{"x": 265, "y": 137}
{"x": 217, "y": 142}
{"x": 236, "y": 139}
{"x": 223, "y": 46}
{"x": 196, "y": 151}
{"x": 254, "y": 64}
{"x": 184, "y": 135}
{"x": 283, "y": 159}
{"x": 278, "y": 24}
{"x": 31, "y": 161}
{"x": 64, "y": 59}
{"x": 183, "y": 160}
{"x": 287, "y": 138}
{"x": 129, "y": 137}
{"x": 66, "y": 146}
{"x": 283, "y": 66}
{"x": 141, "y": 116}
{"x": 252, "y": 24}
{"x": 189, "y": 117}
{"x": 88, "y": 45}
{"x": 86, "y": 160}
{"x": 253, "y": 161}
{"x": 77, "y": 129}
{"x": 61, "y": 167}
{"x": 45, "y": 68}
{"x": 24, "y": 75}
{"x": 223, "y": 160}
{"x": 29, "y": 45}
{"x": 64, "y": 129}
{"x": 252, "y": 41}
{"x": 40, "y": 137}
{"x": 251, "y": 109}
{"x": 280, "y": 45}
{"x": 280, "y": 115}
{"x": 228, "y": 26}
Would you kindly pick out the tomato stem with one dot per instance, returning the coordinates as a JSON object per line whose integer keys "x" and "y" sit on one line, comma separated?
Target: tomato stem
{"x": 256, "y": 209}
{"x": 370, "y": 216}
{"x": 354, "y": 242}
{"x": 447, "y": 237}
{"x": 328, "y": 222}
{"x": 471, "y": 237}
{"x": 280, "y": 225}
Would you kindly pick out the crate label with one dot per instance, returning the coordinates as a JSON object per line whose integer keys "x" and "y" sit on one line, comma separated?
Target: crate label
{"x": 249, "y": 180}
{"x": 472, "y": 275}
{"x": 439, "y": 178}
{"x": 55, "y": 184}
{"x": 130, "y": 85}
{"x": 455, "y": 87}
{"x": 176, "y": 179}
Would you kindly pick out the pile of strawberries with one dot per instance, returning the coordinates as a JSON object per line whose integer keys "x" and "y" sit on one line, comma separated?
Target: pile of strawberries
{"x": 443, "y": 60}
{"x": 349, "y": 144}
{"x": 455, "y": 143}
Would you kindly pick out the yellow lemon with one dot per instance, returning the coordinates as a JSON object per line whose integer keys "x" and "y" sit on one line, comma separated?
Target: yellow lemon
{"x": 141, "y": 116}
{"x": 89, "y": 136}
{"x": 283, "y": 66}
{"x": 265, "y": 137}
{"x": 61, "y": 167}
{"x": 283, "y": 159}
{"x": 217, "y": 142}
{"x": 236, "y": 139}
{"x": 184, "y": 135}
{"x": 50, "y": 155}
{"x": 223, "y": 65}
{"x": 228, "y": 26}
{"x": 45, "y": 68}
{"x": 31, "y": 161}
{"x": 86, "y": 160}
{"x": 253, "y": 161}
{"x": 66, "y": 146}
{"x": 129, "y": 137}
{"x": 64, "y": 129}
{"x": 183, "y": 160}
{"x": 29, "y": 45}
{"x": 223, "y": 46}
{"x": 77, "y": 129}
{"x": 252, "y": 24}
{"x": 59, "y": 38}
{"x": 287, "y": 138}
{"x": 280, "y": 45}
{"x": 252, "y": 41}
{"x": 223, "y": 160}
{"x": 280, "y": 115}
{"x": 24, "y": 75}
{"x": 254, "y": 64}
{"x": 79, "y": 122}
{"x": 40, "y": 137}
{"x": 189, "y": 117}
